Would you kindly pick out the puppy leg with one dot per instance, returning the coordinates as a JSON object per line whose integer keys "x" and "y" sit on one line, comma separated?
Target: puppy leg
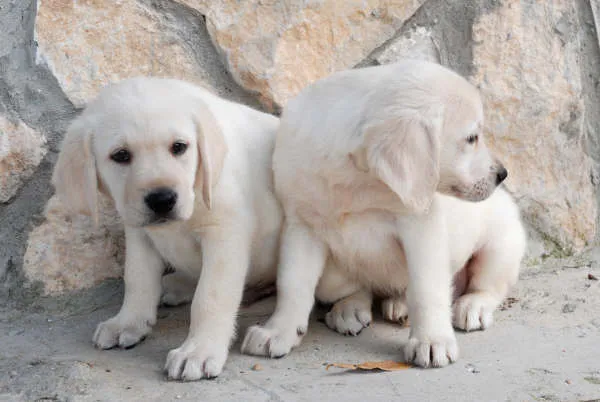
{"x": 303, "y": 257}
{"x": 395, "y": 309}
{"x": 431, "y": 342}
{"x": 225, "y": 261}
{"x": 492, "y": 272}
{"x": 143, "y": 272}
{"x": 352, "y": 309}
{"x": 178, "y": 288}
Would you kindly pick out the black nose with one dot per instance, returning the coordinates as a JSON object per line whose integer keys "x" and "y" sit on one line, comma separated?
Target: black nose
{"x": 501, "y": 175}
{"x": 161, "y": 200}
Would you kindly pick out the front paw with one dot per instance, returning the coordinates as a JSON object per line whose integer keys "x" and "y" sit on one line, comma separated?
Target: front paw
{"x": 271, "y": 341}
{"x": 197, "y": 358}
{"x": 431, "y": 351}
{"x": 121, "y": 331}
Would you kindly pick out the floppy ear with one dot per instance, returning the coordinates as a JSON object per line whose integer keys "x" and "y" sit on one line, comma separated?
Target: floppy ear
{"x": 404, "y": 154}
{"x": 74, "y": 175}
{"x": 212, "y": 150}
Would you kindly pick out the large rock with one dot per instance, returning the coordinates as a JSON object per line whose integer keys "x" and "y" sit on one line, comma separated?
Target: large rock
{"x": 275, "y": 48}
{"x": 21, "y": 150}
{"x": 88, "y": 43}
{"x": 67, "y": 252}
{"x": 527, "y": 65}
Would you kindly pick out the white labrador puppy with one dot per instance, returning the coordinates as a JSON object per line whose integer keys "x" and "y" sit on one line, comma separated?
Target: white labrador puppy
{"x": 190, "y": 175}
{"x": 372, "y": 167}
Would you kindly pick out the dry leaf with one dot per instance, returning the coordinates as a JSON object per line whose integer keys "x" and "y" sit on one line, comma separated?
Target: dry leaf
{"x": 257, "y": 367}
{"x": 386, "y": 365}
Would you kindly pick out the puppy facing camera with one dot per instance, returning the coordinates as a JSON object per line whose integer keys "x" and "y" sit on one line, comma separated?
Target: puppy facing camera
{"x": 190, "y": 176}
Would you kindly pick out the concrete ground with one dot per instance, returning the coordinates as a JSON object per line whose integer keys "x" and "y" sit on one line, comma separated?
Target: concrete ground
{"x": 545, "y": 345}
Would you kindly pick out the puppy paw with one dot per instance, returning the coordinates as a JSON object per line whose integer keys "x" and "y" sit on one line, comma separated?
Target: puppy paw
{"x": 395, "y": 309}
{"x": 431, "y": 351}
{"x": 270, "y": 341}
{"x": 122, "y": 331}
{"x": 474, "y": 311}
{"x": 196, "y": 359}
{"x": 348, "y": 317}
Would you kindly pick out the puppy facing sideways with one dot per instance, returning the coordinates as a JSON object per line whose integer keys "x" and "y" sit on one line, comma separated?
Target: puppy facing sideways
{"x": 387, "y": 186}
{"x": 190, "y": 175}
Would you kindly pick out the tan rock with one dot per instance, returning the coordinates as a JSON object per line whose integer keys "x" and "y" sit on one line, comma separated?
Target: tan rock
{"x": 89, "y": 43}
{"x": 67, "y": 253}
{"x": 275, "y": 48}
{"x": 21, "y": 151}
{"x": 526, "y": 61}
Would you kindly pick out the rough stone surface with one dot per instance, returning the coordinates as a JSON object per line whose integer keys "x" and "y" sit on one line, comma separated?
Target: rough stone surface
{"x": 30, "y": 93}
{"x": 275, "y": 48}
{"x": 589, "y": 21}
{"x": 88, "y": 44}
{"x": 595, "y": 6}
{"x": 21, "y": 150}
{"x": 589, "y": 18}
{"x": 417, "y": 43}
{"x": 449, "y": 23}
{"x": 66, "y": 252}
{"x": 527, "y": 66}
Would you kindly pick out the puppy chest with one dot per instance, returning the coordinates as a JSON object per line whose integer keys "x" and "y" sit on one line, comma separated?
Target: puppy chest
{"x": 179, "y": 249}
{"x": 370, "y": 252}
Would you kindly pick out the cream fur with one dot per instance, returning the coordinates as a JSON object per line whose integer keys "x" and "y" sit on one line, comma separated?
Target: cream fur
{"x": 386, "y": 191}
{"x": 223, "y": 231}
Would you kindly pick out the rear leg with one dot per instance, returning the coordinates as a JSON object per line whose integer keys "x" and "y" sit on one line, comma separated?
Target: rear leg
{"x": 177, "y": 288}
{"x": 351, "y": 311}
{"x": 490, "y": 275}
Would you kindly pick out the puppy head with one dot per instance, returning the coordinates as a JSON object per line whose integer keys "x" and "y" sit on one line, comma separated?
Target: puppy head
{"x": 150, "y": 144}
{"x": 428, "y": 138}
{"x": 467, "y": 169}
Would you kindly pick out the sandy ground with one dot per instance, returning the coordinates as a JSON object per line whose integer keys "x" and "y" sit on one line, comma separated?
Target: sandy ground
{"x": 545, "y": 346}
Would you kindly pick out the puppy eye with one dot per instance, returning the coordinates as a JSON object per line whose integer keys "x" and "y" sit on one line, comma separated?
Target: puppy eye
{"x": 472, "y": 139}
{"x": 178, "y": 148}
{"x": 121, "y": 156}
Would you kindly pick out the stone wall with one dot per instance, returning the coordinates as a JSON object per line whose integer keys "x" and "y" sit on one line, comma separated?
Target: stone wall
{"x": 537, "y": 64}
